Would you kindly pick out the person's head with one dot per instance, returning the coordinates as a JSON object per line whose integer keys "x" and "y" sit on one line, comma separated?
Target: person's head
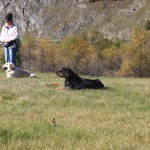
{"x": 9, "y": 18}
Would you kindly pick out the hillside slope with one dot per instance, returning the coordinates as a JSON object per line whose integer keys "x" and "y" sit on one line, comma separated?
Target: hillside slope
{"x": 56, "y": 18}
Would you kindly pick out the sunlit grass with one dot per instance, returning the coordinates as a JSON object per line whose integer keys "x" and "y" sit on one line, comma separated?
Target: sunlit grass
{"x": 114, "y": 118}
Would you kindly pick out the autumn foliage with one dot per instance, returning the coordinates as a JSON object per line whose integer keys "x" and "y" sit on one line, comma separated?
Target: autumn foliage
{"x": 136, "y": 55}
{"x": 90, "y": 53}
{"x": 76, "y": 53}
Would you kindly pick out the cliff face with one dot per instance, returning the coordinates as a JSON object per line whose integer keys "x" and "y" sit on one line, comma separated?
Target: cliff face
{"x": 56, "y": 18}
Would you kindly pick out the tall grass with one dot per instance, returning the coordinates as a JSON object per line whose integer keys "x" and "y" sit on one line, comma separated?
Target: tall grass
{"x": 114, "y": 118}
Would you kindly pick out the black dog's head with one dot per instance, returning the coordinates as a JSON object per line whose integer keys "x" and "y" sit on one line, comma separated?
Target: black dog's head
{"x": 65, "y": 72}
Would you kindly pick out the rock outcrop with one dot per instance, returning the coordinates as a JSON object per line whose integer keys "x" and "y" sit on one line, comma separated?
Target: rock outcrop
{"x": 56, "y": 18}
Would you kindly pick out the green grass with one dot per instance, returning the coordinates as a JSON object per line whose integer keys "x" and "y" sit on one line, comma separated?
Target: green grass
{"x": 114, "y": 118}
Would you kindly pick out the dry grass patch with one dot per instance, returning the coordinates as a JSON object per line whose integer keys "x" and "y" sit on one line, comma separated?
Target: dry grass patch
{"x": 114, "y": 118}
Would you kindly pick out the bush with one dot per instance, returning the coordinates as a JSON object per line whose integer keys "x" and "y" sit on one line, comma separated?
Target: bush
{"x": 147, "y": 25}
{"x": 28, "y": 49}
{"x": 18, "y": 54}
{"x": 76, "y": 53}
{"x": 90, "y": 53}
{"x": 112, "y": 59}
{"x": 96, "y": 38}
{"x": 136, "y": 55}
{"x": 47, "y": 55}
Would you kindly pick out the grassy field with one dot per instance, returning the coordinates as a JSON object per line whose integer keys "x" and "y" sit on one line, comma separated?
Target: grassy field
{"x": 116, "y": 118}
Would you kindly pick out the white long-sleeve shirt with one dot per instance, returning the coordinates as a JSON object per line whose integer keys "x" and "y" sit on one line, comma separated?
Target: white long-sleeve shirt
{"x": 9, "y": 33}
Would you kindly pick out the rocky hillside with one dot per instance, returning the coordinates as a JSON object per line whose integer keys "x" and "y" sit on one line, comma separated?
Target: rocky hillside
{"x": 56, "y": 18}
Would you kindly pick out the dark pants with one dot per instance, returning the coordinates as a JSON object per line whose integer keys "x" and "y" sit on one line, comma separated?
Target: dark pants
{"x": 10, "y": 55}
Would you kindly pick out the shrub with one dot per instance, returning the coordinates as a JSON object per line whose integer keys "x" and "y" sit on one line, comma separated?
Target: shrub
{"x": 47, "y": 55}
{"x": 112, "y": 58}
{"x": 28, "y": 50}
{"x": 147, "y": 25}
{"x": 96, "y": 38}
{"x": 76, "y": 53}
{"x": 5, "y": 136}
{"x": 18, "y": 54}
{"x": 136, "y": 55}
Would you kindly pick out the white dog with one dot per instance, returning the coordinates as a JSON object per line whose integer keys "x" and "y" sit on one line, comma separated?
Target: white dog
{"x": 16, "y": 72}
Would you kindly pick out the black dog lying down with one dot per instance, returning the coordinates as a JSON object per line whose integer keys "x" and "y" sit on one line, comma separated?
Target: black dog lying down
{"x": 74, "y": 81}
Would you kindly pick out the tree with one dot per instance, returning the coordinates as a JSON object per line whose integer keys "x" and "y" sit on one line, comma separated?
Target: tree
{"x": 28, "y": 49}
{"x": 96, "y": 38}
{"x": 76, "y": 53}
{"x": 47, "y": 55}
{"x": 136, "y": 55}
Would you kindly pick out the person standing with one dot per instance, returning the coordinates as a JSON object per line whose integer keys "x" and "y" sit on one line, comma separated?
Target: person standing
{"x": 8, "y": 38}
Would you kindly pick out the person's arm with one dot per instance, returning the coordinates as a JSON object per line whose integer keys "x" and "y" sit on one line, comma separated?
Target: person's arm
{"x": 2, "y": 35}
